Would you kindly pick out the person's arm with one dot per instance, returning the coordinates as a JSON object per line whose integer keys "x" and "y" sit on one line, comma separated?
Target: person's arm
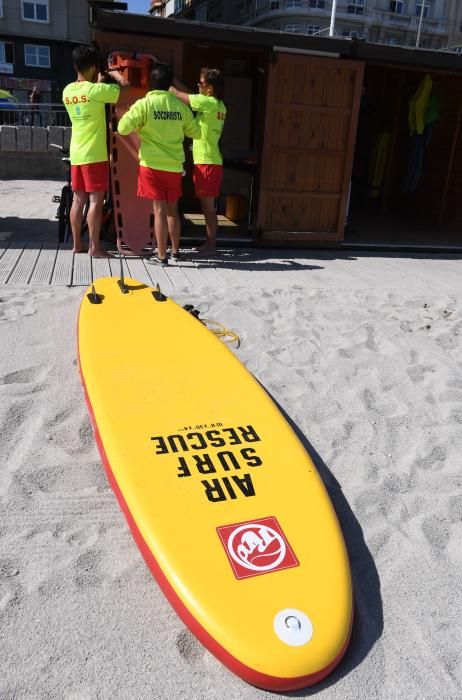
{"x": 183, "y": 96}
{"x": 182, "y": 87}
{"x": 190, "y": 127}
{"x": 118, "y": 78}
{"x": 121, "y": 82}
{"x": 134, "y": 119}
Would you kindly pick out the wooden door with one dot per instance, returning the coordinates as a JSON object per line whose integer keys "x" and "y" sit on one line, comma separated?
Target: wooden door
{"x": 310, "y": 129}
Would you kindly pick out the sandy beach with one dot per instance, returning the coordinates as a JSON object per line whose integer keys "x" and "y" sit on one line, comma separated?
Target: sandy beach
{"x": 363, "y": 355}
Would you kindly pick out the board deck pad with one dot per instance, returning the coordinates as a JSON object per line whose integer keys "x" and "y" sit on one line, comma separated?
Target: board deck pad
{"x": 222, "y": 498}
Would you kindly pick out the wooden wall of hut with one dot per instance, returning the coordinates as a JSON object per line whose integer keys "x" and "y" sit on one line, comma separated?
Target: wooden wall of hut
{"x": 310, "y": 131}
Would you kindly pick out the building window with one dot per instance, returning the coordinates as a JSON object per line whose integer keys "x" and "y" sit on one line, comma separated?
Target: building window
{"x": 6, "y": 52}
{"x": 274, "y": 5}
{"x": 418, "y": 8}
{"x": 295, "y": 28}
{"x": 292, "y": 4}
{"x": 313, "y": 29}
{"x": 318, "y": 4}
{"x": 276, "y": 27}
{"x": 1, "y": 8}
{"x": 397, "y": 7}
{"x": 35, "y": 11}
{"x": 38, "y": 56}
{"x": 201, "y": 13}
{"x": 356, "y": 7}
{"x": 180, "y": 5}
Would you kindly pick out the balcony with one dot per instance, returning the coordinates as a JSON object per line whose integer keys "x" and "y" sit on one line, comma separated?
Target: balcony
{"x": 408, "y": 23}
{"x": 288, "y": 9}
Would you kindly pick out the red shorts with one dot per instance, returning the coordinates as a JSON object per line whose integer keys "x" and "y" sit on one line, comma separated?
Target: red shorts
{"x": 161, "y": 185}
{"x": 207, "y": 180}
{"x": 91, "y": 177}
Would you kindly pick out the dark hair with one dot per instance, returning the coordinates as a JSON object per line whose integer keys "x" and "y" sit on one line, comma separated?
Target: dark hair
{"x": 85, "y": 57}
{"x": 161, "y": 77}
{"x": 214, "y": 77}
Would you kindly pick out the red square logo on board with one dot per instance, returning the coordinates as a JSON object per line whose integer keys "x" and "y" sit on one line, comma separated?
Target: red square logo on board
{"x": 256, "y": 547}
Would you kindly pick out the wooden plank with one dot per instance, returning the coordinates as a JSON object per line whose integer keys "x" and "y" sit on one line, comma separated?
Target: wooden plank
{"x": 4, "y": 245}
{"x": 10, "y": 259}
{"x": 308, "y": 84}
{"x": 44, "y": 267}
{"x": 190, "y": 272}
{"x": 285, "y": 90}
{"x": 267, "y": 144}
{"x": 207, "y": 270}
{"x": 114, "y": 266}
{"x": 158, "y": 275}
{"x": 100, "y": 267}
{"x": 297, "y": 88}
{"x": 25, "y": 267}
{"x": 136, "y": 270}
{"x": 315, "y": 128}
{"x": 81, "y": 275}
{"x": 62, "y": 272}
{"x": 226, "y": 269}
{"x": 177, "y": 276}
{"x": 331, "y": 84}
{"x": 318, "y": 92}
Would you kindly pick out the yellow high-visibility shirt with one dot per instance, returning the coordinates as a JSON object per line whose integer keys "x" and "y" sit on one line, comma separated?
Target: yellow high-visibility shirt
{"x": 161, "y": 121}
{"x": 85, "y": 103}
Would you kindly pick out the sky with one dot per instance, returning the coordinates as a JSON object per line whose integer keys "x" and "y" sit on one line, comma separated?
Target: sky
{"x": 138, "y": 5}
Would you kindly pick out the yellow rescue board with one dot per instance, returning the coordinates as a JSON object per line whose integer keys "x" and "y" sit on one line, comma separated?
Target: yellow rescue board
{"x": 222, "y": 499}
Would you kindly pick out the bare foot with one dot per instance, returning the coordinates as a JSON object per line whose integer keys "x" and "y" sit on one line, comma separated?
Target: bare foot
{"x": 79, "y": 249}
{"x": 207, "y": 249}
{"x": 98, "y": 253}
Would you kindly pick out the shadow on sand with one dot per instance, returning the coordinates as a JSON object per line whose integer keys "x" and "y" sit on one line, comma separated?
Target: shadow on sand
{"x": 368, "y": 613}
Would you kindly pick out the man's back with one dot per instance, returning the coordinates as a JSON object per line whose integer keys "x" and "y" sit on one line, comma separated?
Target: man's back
{"x": 85, "y": 103}
{"x": 162, "y": 121}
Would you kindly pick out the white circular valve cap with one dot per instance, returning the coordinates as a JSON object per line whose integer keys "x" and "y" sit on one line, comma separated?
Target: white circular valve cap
{"x": 293, "y": 627}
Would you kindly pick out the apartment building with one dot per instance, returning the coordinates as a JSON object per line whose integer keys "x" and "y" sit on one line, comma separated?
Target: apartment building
{"x": 394, "y": 22}
{"x": 202, "y": 11}
{"x": 455, "y": 25}
{"x": 36, "y": 42}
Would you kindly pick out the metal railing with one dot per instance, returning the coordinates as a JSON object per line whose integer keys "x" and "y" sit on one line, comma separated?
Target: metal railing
{"x": 407, "y": 22}
{"x": 42, "y": 114}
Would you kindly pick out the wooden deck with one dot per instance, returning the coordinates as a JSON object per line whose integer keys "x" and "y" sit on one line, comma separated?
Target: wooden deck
{"x": 30, "y": 255}
{"x": 47, "y": 263}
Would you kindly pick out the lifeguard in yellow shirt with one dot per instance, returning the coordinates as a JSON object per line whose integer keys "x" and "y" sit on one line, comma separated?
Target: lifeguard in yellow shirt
{"x": 161, "y": 121}
{"x": 85, "y": 101}
{"x": 208, "y": 163}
